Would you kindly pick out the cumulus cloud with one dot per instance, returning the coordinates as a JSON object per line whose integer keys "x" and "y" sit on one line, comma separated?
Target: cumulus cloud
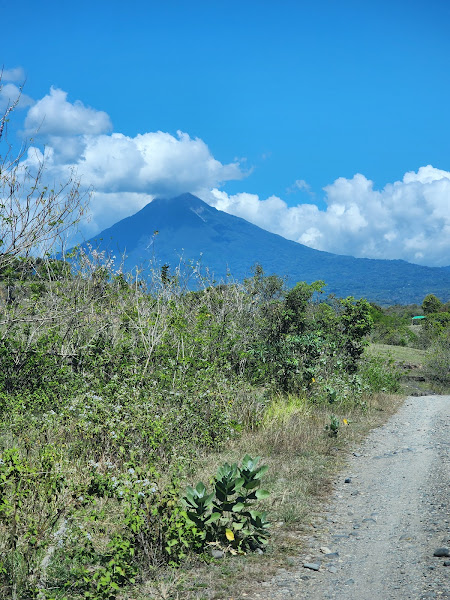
{"x": 408, "y": 219}
{"x": 54, "y": 116}
{"x": 10, "y": 92}
{"x": 135, "y": 169}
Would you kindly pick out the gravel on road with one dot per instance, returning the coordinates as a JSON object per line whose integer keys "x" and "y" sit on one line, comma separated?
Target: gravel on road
{"x": 385, "y": 535}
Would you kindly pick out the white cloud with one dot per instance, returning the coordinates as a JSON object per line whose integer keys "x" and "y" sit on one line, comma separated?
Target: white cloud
{"x": 9, "y": 93}
{"x": 16, "y": 74}
{"x": 151, "y": 164}
{"x": 135, "y": 169}
{"x": 300, "y": 185}
{"x": 408, "y": 219}
{"x": 53, "y": 115}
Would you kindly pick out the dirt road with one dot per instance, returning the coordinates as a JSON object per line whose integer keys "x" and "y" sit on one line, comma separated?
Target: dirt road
{"x": 388, "y": 515}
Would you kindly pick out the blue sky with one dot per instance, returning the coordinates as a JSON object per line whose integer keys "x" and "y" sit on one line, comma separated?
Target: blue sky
{"x": 326, "y": 122}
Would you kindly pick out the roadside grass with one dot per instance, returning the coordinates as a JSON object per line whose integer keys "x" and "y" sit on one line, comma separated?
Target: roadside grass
{"x": 401, "y": 354}
{"x": 303, "y": 460}
{"x": 417, "y": 377}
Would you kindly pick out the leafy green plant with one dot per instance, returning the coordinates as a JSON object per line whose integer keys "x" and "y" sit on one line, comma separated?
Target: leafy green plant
{"x": 117, "y": 571}
{"x": 32, "y": 501}
{"x": 226, "y": 514}
{"x": 334, "y": 426}
{"x": 161, "y": 530}
{"x": 356, "y": 323}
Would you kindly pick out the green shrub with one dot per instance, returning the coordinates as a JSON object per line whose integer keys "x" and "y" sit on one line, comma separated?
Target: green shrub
{"x": 380, "y": 375}
{"x": 33, "y": 499}
{"x": 438, "y": 359}
{"x": 226, "y": 516}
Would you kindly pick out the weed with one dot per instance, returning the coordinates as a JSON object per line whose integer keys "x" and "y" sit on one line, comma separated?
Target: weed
{"x": 333, "y": 426}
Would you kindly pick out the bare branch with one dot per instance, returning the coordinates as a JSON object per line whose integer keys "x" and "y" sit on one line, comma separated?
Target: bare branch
{"x": 33, "y": 216}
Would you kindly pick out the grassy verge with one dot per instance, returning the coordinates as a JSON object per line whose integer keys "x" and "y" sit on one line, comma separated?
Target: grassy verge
{"x": 401, "y": 354}
{"x": 414, "y": 364}
{"x": 302, "y": 459}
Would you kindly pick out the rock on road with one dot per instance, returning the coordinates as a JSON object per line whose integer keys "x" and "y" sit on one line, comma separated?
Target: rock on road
{"x": 388, "y": 515}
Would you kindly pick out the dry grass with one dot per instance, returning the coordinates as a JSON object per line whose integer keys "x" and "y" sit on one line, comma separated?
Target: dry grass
{"x": 302, "y": 460}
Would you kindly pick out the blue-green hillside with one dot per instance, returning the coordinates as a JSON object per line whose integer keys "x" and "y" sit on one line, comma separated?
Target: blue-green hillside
{"x": 187, "y": 227}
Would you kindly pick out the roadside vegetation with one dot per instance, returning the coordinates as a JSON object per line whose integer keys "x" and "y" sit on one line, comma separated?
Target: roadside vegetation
{"x": 161, "y": 434}
{"x": 419, "y": 347}
{"x": 112, "y": 393}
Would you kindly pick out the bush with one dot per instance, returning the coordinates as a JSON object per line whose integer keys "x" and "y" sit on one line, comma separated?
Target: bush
{"x": 380, "y": 375}
{"x": 438, "y": 359}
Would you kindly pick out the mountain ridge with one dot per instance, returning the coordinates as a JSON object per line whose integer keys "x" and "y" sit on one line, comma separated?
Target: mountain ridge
{"x": 186, "y": 226}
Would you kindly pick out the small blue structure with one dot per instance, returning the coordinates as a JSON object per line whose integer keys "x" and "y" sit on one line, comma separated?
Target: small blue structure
{"x": 417, "y": 320}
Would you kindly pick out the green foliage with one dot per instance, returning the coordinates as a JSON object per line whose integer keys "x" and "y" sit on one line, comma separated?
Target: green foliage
{"x": 116, "y": 571}
{"x": 392, "y": 328}
{"x": 334, "y": 426}
{"x": 438, "y": 361}
{"x": 32, "y": 368}
{"x": 109, "y": 386}
{"x": 226, "y": 515}
{"x": 32, "y": 500}
{"x": 437, "y": 323}
{"x": 431, "y": 304}
{"x": 357, "y": 324}
{"x": 162, "y": 532}
{"x": 380, "y": 375}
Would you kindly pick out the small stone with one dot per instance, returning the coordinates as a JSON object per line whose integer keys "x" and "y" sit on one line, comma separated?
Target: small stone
{"x": 348, "y": 480}
{"x": 216, "y": 553}
{"x": 446, "y": 563}
{"x": 325, "y": 550}
{"x": 332, "y": 569}
{"x": 357, "y": 454}
{"x": 312, "y": 566}
{"x": 442, "y": 552}
{"x": 332, "y": 555}
{"x": 349, "y": 582}
{"x": 286, "y": 591}
{"x": 369, "y": 520}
